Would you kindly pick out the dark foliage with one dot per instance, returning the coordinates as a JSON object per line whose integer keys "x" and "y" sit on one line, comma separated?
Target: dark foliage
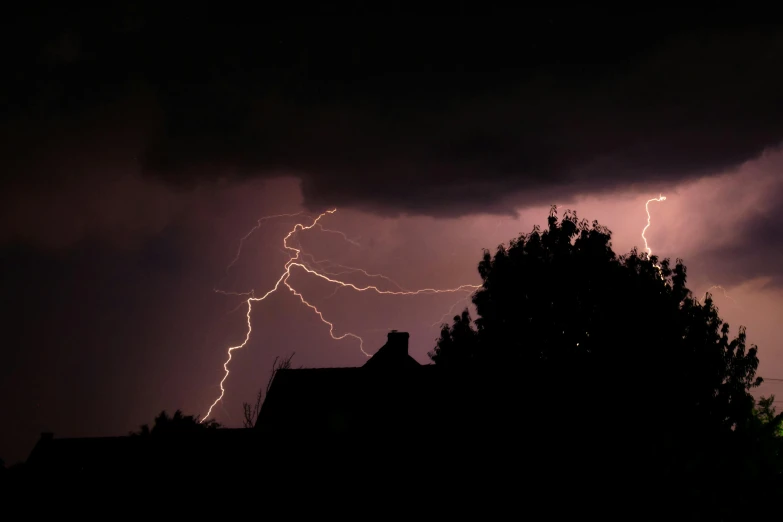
{"x": 251, "y": 412}
{"x": 175, "y": 425}
{"x": 608, "y": 362}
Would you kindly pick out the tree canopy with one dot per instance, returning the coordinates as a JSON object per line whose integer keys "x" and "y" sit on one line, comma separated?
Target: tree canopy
{"x": 176, "y": 424}
{"x": 570, "y": 334}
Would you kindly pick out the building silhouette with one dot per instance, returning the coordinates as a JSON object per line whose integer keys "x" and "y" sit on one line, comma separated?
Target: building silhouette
{"x": 312, "y": 419}
{"x": 388, "y": 394}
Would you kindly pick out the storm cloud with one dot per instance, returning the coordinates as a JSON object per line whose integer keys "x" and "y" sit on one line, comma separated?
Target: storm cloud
{"x": 140, "y": 143}
{"x": 439, "y": 117}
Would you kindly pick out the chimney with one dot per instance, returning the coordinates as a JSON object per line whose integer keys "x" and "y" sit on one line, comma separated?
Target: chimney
{"x": 392, "y": 355}
{"x": 398, "y": 343}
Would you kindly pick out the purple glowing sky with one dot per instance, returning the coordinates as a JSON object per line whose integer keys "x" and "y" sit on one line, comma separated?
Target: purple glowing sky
{"x": 134, "y": 160}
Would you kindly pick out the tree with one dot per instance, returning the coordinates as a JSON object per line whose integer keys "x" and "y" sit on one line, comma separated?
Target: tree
{"x": 175, "y": 424}
{"x": 251, "y": 413}
{"x": 765, "y": 440}
{"x": 766, "y": 415}
{"x": 637, "y": 359}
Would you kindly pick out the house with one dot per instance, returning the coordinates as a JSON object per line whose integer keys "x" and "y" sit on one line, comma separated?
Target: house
{"x": 390, "y": 393}
{"x": 312, "y": 418}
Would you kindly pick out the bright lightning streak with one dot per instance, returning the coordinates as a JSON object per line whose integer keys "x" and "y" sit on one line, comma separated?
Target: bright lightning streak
{"x": 647, "y": 208}
{"x": 384, "y": 292}
{"x": 251, "y": 299}
{"x": 649, "y": 250}
{"x": 296, "y": 260}
{"x": 348, "y": 270}
{"x": 231, "y": 349}
{"x": 331, "y": 325}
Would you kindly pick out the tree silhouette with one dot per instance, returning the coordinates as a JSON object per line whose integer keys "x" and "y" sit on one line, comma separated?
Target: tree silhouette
{"x": 175, "y": 424}
{"x": 765, "y": 414}
{"x": 251, "y": 412}
{"x": 561, "y": 319}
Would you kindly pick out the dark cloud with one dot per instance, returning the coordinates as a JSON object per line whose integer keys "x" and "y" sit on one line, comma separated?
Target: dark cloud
{"x": 755, "y": 252}
{"x": 438, "y": 117}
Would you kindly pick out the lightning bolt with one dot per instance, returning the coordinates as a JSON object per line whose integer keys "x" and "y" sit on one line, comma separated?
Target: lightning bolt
{"x": 224, "y": 292}
{"x": 447, "y": 314}
{"x": 347, "y": 270}
{"x": 725, "y": 293}
{"x": 252, "y": 230}
{"x": 347, "y": 239}
{"x": 647, "y": 208}
{"x": 649, "y": 250}
{"x": 315, "y": 268}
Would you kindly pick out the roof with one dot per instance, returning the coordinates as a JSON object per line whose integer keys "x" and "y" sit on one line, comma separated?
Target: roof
{"x": 310, "y": 415}
{"x": 387, "y": 392}
{"x": 393, "y": 356}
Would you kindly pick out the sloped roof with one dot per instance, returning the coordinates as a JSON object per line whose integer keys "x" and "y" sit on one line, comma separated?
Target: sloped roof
{"x": 311, "y": 409}
{"x": 390, "y": 388}
{"x": 393, "y": 356}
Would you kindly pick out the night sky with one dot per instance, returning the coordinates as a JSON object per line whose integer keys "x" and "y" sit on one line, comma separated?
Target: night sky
{"x": 139, "y": 146}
